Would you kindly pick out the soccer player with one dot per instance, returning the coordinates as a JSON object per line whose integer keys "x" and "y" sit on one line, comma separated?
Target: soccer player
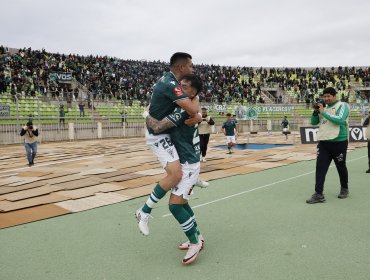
{"x": 231, "y": 132}
{"x": 187, "y": 143}
{"x": 285, "y": 125}
{"x": 167, "y": 94}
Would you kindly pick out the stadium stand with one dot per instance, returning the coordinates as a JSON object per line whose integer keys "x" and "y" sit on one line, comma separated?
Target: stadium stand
{"x": 110, "y": 87}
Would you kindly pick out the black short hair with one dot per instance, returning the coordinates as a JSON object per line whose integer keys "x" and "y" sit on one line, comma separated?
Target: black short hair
{"x": 204, "y": 109}
{"x": 178, "y": 56}
{"x": 330, "y": 90}
{"x": 195, "y": 80}
{"x": 228, "y": 115}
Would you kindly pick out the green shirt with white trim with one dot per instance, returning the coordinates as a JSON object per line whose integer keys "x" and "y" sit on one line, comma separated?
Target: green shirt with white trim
{"x": 185, "y": 138}
{"x": 165, "y": 94}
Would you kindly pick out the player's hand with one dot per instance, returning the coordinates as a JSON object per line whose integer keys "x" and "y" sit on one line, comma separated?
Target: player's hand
{"x": 193, "y": 120}
{"x": 321, "y": 108}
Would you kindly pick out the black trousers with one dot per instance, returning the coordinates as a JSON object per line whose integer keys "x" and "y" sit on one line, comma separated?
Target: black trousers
{"x": 204, "y": 139}
{"x": 326, "y": 152}
{"x": 368, "y": 150}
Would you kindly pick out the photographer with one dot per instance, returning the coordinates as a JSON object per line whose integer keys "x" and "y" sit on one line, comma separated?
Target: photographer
{"x": 205, "y": 129}
{"x": 366, "y": 123}
{"x": 333, "y": 142}
{"x": 30, "y": 133}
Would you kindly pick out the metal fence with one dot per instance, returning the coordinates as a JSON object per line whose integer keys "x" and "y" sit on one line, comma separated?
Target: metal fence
{"x": 255, "y": 117}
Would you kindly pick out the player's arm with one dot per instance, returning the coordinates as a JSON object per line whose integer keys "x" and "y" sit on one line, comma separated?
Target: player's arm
{"x": 223, "y": 129}
{"x": 23, "y": 131}
{"x": 340, "y": 115}
{"x": 193, "y": 120}
{"x": 315, "y": 118}
{"x": 191, "y": 106}
{"x": 211, "y": 121}
{"x": 236, "y": 130}
{"x": 158, "y": 126}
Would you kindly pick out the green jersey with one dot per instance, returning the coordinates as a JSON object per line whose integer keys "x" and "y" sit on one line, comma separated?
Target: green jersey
{"x": 185, "y": 138}
{"x": 229, "y": 128}
{"x": 165, "y": 94}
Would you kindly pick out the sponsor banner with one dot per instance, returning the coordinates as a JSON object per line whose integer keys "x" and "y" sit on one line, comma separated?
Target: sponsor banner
{"x": 252, "y": 112}
{"x": 363, "y": 108}
{"x": 309, "y": 134}
{"x": 61, "y": 77}
{"x": 219, "y": 108}
{"x": 4, "y": 110}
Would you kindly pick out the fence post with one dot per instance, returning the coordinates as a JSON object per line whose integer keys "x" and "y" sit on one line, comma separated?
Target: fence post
{"x": 100, "y": 130}
{"x": 269, "y": 126}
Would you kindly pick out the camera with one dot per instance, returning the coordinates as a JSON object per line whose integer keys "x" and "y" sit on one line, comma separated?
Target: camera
{"x": 317, "y": 104}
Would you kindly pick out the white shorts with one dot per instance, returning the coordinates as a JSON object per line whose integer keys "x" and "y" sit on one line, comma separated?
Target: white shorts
{"x": 190, "y": 174}
{"x": 162, "y": 147}
{"x": 230, "y": 139}
{"x": 285, "y": 129}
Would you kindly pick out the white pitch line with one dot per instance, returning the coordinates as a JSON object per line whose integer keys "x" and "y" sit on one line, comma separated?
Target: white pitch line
{"x": 51, "y": 163}
{"x": 257, "y": 188}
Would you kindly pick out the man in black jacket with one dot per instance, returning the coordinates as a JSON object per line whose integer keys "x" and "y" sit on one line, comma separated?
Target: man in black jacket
{"x": 366, "y": 123}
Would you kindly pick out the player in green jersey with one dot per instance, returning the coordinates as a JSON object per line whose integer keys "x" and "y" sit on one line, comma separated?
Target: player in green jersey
{"x": 186, "y": 140}
{"x": 230, "y": 130}
{"x": 167, "y": 95}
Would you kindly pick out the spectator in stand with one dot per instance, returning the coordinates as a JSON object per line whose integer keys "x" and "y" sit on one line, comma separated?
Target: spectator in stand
{"x": 108, "y": 77}
{"x": 81, "y": 107}
{"x": 61, "y": 115}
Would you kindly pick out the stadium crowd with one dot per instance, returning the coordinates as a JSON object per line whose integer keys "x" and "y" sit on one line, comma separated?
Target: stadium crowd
{"x": 29, "y": 72}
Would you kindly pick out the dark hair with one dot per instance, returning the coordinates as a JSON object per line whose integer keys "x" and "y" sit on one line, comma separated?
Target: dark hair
{"x": 204, "y": 109}
{"x": 195, "y": 81}
{"x": 179, "y": 56}
{"x": 228, "y": 115}
{"x": 330, "y": 90}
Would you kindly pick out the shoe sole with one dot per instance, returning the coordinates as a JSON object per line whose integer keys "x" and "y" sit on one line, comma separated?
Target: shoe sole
{"x": 191, "y": 260}
{"x": 313, "y": 202}
{"x": 182, "y": 248}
